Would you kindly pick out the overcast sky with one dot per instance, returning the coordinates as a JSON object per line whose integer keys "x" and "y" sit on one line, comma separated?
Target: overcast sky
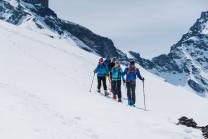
{"x": 149, "y": 27}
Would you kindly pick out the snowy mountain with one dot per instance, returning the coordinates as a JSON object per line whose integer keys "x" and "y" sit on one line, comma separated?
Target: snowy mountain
{"x": 35, "y": 13}
{"x": 44, "y": 94}
{"x": 187, "y": 62}
{"x": 185, "y": 65}
{"x": 45, "y": 79}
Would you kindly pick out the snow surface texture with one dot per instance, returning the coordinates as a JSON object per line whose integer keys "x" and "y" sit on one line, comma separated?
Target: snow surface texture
{"x": 44, "y": 94}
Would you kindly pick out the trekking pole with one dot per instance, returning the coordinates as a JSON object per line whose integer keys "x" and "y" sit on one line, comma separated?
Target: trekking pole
{"x": 92, "y": 83}
{"x": 124, "y": 84}
{"x": 110, "y": 85}
{"x": 144, "y": 97}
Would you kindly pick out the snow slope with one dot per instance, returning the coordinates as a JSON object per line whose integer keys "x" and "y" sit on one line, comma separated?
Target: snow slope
{"x": 44, "y": 94}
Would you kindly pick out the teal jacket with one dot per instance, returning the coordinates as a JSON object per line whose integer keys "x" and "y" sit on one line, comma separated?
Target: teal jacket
{"x": 117, "y": 74}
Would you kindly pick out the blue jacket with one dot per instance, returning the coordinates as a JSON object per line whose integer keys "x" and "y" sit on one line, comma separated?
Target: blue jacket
{"x": 107, "y": 62}
{"x": 101, "y": 70}
{"x": 117, "y": 74}
{"x": 132, "y": 76}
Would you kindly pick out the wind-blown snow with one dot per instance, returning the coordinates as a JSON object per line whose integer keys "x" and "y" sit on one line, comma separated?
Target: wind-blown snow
{"x": 44, "y": 94}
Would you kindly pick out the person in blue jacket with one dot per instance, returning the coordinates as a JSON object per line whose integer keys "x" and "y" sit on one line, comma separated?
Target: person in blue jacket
{"x": 102, "y": 71}
{"x": 132, "y": 73}
{"x": 117, "y": 74}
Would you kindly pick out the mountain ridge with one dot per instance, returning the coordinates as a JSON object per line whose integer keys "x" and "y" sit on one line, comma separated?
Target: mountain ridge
{"x": 44, "y": 17}
{"x": 45, "y": 94}
{"x": 186, "y": 63}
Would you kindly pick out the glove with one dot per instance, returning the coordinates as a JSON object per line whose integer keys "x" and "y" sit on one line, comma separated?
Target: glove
{"x": 143, "y": 79}
{"x": 94, "y": 71}
{"x": 124, "y": 81}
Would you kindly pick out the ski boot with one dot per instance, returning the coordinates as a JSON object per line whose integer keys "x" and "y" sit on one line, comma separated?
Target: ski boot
{"x": 114, "y": 97}
{"x": 106, "y": 93}
{"x": 130, "y": 102}
{"x": 119, "y": 100}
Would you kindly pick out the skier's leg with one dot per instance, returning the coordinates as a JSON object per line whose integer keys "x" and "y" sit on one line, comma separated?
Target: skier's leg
{"x": 104, "y": 83}
{"x": 128, "y": 92}
{"x": 99, "y": 83}
{"x": 133, "y": 92}
{"x": 105, "y": 86}
{"x": 114, "y": 89}
{"x": 110, "y": 81}
{"x": 119, "y": 90}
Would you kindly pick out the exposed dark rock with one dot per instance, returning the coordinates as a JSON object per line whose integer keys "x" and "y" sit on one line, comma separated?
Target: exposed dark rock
{"x": 143, "y": 62}
{"x": 205, "y": 132}
{"x": 195, "y": 86}
{"x": 189, "y": 122}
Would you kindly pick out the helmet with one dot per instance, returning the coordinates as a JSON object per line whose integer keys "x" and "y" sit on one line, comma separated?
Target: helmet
{"x": 101, "y": 60}
{"x": 113, "y": 59}
{"x": 117, "y": 63}
{"x": 132, "y": 62}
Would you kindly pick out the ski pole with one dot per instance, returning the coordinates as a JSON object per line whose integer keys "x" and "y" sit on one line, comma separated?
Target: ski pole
{"x": 92, "y": 83}
{"x": 144, "y": 96}
{"x": 110, "y": 85}
{"x": 124, "y": 84}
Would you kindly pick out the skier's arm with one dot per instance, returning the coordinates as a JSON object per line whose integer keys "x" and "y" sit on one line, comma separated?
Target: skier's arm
{"x": 111, "y": 72}
{"x": 96, "y": 69}
{"x": 107, "y": 70}
{"x": 122, "y": 75}
{"x": 125, "y": 72}
{"x": 139, "y": 75}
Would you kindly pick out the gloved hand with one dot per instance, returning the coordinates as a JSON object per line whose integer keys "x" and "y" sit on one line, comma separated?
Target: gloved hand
{"x": 143, "y": 79}
{"x": 94, "y": 71}
{"x": 124, "y": 81}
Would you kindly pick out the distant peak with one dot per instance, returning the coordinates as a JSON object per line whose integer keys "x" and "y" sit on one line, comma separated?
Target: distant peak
{"x": 204, "y": 15}
{"x": 42, "y": 2}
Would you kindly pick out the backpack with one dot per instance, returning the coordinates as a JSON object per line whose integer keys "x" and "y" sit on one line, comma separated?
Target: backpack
{"x": 102, "y": 67}
{"x": 135, "y": 70}
{"x": 119, "y": 72}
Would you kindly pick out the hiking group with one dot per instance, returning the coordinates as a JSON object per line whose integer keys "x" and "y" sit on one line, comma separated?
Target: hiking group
{"x": 112, "y": 70}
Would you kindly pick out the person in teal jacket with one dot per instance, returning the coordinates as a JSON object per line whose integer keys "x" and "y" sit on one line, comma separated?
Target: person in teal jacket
{"x": 102, "y": 71}
{"x": 117, "y": 75}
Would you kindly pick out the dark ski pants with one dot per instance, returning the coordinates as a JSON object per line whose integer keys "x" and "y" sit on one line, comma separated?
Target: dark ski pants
{"x": 102, "y": 79}
{"x": 131, "y": 87}
{"x": 116, "y": 88}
